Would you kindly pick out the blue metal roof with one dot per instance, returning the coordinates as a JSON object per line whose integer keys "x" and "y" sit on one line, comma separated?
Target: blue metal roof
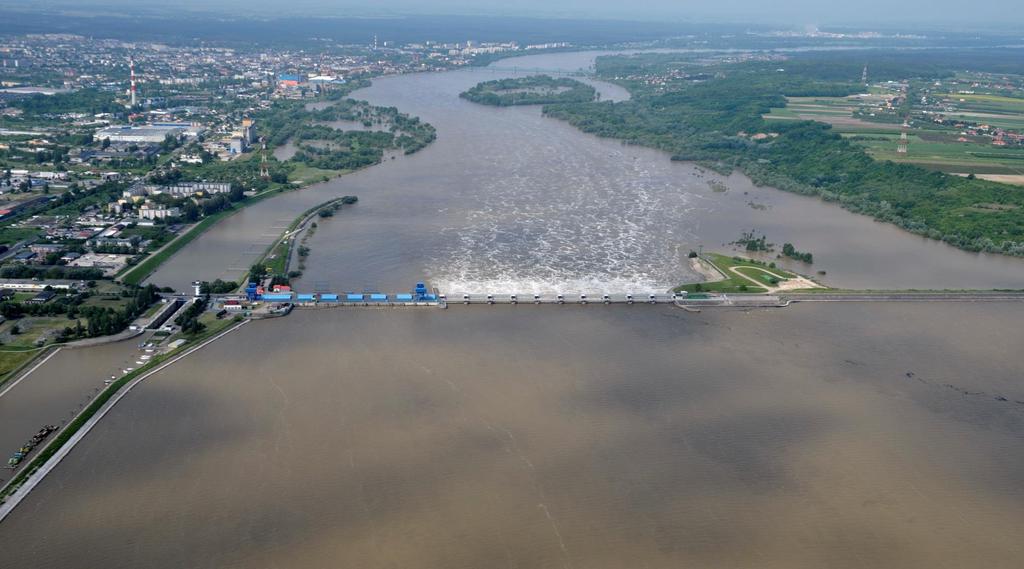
{"x": 329, "y": 298}
{"x": 353, "y": 297}
{"x": 378, "y": 296}
{"x": 403, "y": 297}
{"x": 306, "y": 297}
{"x": 277, "y": 296}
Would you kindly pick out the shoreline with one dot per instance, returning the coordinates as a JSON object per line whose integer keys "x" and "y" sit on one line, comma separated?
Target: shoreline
{"x": 294, "y": 229}
{"x": 140, "y": 273}
{"x": 12, "y": 493}
{"x": 121, "y": 336}
{"x": 817, "y": 199}
{"x": 168, "y": 251}
{"x": 17, "y": 375}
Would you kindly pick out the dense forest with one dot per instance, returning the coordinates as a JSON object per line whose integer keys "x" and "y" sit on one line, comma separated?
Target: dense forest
{"x": 710, "y": 112}
{"x": 532, "y": 90}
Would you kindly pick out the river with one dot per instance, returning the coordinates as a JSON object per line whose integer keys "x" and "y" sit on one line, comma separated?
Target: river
{"x": 827, "y": 435}
{"x": 59, "y": 388}
{"x": 508, "y": 199}
{"x": 599, "y": 437}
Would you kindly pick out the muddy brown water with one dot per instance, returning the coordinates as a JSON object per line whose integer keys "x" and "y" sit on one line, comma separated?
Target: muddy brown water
{"x": 58, "y": 389}
{"x": 843, "y": 435}
{"x": 508, "y": 200}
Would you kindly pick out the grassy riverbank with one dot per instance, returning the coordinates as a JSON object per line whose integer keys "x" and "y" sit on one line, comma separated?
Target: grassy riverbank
{"x": 139, "y": 272}
{"x": 276, "y": 258}
{"x": 143, "y": 270}
{"x": 732, "y": 282}
{"x": 14, "y": 361}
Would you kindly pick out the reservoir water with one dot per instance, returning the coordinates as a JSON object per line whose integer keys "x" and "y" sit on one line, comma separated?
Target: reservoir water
{"x": 828, "y": 435}
{"x": 508, "y": 199}
{"x": 572, "y": 437}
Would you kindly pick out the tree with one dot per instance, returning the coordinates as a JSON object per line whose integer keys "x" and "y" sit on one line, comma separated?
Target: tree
{"x": 257, "y": 272}
{"x": 191, "y": 211}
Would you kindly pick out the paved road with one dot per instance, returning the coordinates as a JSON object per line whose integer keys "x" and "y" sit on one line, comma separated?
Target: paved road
{"x": 937, "y": 296}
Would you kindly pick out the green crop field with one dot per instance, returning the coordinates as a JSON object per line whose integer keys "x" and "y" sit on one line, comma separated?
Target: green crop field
{"x": 1012, "y": 122}
{"x": 837, "y": 111}
{"x": 987, "y": 103}
{"x": 949, "y": 157}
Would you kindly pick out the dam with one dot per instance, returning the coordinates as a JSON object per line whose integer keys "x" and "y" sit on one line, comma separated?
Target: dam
{"x": 421, "y": 297}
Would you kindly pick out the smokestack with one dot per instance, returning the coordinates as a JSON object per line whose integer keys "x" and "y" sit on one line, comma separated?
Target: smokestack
{"x": 131, "y": 67}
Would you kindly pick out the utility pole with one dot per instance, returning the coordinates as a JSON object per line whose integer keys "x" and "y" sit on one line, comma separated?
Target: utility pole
{"x": 901, "y": 146}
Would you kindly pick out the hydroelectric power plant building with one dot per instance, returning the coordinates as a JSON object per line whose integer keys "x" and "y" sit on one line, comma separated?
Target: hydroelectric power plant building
{"x": 420, "y": 295}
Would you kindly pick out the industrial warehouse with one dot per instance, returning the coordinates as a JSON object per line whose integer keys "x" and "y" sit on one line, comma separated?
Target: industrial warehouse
{"x": 152, "y": 133}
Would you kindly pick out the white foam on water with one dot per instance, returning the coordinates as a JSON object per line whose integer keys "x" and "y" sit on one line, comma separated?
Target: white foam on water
{"x": 594, "y": 233}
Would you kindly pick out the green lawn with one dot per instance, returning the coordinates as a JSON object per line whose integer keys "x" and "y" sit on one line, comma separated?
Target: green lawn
{"x": 19, "y": 349}
{"x": 10, "y": 235}
{"x": 734, "y": 283}
{"x": 31, "y": 328}
{"x": 213, "y": 324}
{"x": 768, "y": 276}
{"x": 277, "y": 259}
{"x": 308, "y": 174}
{"x": 115, "y": 301}
{"x": 11, "y": 360}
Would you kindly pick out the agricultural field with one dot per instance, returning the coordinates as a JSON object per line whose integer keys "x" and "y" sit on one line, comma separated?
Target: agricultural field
{"x": 995, "y": 110}
{"x": 966, "y": 149}
{"x": 943, "y": 152}
{"x": 836, "y": 111}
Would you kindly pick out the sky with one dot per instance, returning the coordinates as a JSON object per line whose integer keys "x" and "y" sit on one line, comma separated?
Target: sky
{"x": 793, "y": 13}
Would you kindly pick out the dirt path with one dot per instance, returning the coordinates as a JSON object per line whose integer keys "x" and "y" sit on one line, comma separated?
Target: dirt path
{"x": 796, "y": 283}
{"x": 707, "y": 270}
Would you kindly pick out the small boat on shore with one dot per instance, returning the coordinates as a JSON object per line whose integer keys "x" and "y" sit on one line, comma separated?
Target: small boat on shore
{"x": 25, "y": 449}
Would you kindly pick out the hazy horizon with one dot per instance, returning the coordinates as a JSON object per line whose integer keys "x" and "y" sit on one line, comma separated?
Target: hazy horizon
{"x": 791, "y": 13}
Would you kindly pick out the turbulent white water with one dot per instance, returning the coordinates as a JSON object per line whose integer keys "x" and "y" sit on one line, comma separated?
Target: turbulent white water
{"x": 590, "y": 233}
{"x": 509, "y": 201}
